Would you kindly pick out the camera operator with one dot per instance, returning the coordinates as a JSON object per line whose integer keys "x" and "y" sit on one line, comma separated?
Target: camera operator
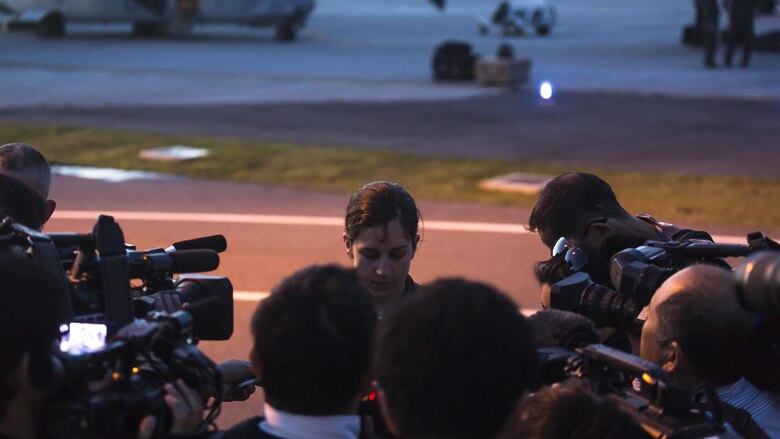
{"x": 312, "y": 352}
{"x": 25, "y": 179}
{"x": 453, "y": 362}
{"x": 31, "y": 310}
{"x": 698, "y": 332}
{"x": 583, "y": 207}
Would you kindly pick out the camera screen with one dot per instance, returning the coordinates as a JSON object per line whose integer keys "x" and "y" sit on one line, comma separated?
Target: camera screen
{"x": 80, "y": 338}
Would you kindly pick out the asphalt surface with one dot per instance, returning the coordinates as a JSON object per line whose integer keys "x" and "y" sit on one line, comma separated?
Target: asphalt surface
{"x": 628, "y": 95}
{"x": 629, "y": 132}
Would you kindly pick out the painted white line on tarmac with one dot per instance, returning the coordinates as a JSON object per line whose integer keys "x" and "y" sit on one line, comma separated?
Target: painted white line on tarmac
{"x": 205, "y": 217}
{"x": 284, "y": 220}
{"x": 250, "y": 296}
{"x": 302, "y": 220}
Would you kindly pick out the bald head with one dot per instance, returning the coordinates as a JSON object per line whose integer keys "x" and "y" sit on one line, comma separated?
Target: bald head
{"x": 709, "y": 282}
{"x": 697, "y": 308}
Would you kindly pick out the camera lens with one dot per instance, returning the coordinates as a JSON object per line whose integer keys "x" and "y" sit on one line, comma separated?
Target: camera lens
{"x": 605, "y": 307}
{"x": 609, "y": 308}
{"x": 758, "y": 283}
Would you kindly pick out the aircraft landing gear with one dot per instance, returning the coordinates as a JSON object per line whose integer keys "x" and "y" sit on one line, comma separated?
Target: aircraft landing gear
{"x": 142, "y": 29}
{"x": 52, "y": 26}
{"x": 286, "y": 32}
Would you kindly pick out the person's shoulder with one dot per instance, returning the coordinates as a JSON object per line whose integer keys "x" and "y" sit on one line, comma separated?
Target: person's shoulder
{"x": 410, "y": 286}
{"x": 247, "y": 429}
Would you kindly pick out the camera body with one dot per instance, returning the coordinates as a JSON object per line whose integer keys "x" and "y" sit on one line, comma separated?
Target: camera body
{"x": 96, "y": 270}
{"x": 640, "y": 388}
{"x": 636, "y": 273}
{"x": 107, "y": 392}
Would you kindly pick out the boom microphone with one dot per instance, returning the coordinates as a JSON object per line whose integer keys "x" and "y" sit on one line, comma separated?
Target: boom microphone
{"x": 194, "y": 261}
{"x": 218, "y": 243}
{"x": 557, "y": 328}
{"x": 184, "y": 261}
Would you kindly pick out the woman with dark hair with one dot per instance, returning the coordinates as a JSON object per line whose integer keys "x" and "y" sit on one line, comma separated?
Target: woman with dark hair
{"x": 381, "y": 238}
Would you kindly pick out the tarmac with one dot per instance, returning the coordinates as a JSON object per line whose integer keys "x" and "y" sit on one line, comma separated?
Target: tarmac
{"x": 628, "y": 94}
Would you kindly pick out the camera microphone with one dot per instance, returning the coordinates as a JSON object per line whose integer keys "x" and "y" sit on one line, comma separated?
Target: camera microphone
{"x": 557, "y": 328}
{"x": 193, "y": 261}
{"x": 183, "y": 261}
{"x": 218, "y": 243}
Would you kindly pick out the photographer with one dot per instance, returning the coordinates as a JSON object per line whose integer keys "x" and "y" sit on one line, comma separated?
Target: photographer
{"x": 312, "y": 352}
{"x": 698, "y": 332}
{"x": 583, "y": 207}
{"x": 25, "y": 179}
{"x": 453, "y": 362}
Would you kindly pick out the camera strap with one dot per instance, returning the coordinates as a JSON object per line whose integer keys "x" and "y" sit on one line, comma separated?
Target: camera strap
{"x": 742, "y": 422}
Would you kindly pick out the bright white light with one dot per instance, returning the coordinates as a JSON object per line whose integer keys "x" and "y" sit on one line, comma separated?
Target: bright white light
{"x": 83, "y": 337}
{"x": 546, "y": 90}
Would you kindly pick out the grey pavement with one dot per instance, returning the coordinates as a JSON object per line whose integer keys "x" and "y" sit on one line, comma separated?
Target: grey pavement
{"x": 629, "y": 95}
{"x": 371, "y": 50}
{"x": 647, "y": 133}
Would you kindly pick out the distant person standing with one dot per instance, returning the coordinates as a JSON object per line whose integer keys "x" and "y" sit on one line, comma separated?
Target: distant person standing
{"x": 741, "y": 29}
{"x": 709, "y": 29}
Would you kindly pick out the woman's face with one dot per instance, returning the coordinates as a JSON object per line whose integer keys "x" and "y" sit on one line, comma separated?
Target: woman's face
{"x": 382, "y": 255}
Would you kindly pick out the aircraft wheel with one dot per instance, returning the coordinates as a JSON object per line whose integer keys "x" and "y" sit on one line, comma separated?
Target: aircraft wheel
{"x": 543, "y": 30}
{"x": 146, "y": 29}
{"x": 52, "y": 26}
{"x": 286, "y": 32}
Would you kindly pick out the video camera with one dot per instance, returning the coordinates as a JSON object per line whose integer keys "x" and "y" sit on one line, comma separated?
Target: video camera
{"x": 636, "y": 274}
{"x": 105, "y": 393}
{"x": 643, "y": 390}
{"x": 96, "y": 270}
{"x": 103, "y": 389}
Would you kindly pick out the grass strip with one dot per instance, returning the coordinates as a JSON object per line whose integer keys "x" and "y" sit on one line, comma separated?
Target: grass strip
{"x": 687, "y": 199}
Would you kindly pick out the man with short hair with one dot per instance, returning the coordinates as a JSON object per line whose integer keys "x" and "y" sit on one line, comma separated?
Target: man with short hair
{"x": 312, "y": 351}
{"x": 697, "y": 331}
{"x": 25, "y": 180}
{"x": 453, "y": 362}
{"x": 583, "y": 207}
